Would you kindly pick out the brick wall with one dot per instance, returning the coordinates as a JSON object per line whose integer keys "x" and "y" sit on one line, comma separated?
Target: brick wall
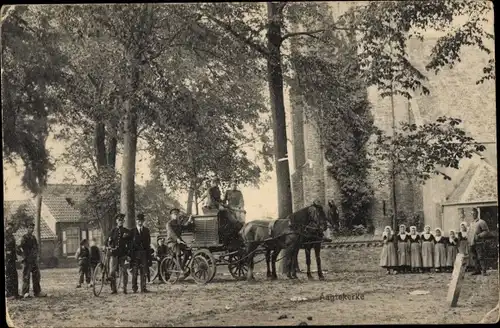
{"x": 453, "y": 93}
{"x": 314, "y": 179}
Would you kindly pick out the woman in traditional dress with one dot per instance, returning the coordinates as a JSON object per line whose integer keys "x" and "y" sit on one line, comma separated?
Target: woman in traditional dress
{"x": 427, "y": 249}
{"x": 388, "y": 258}
{"x": 403, "y": 249}
{"x": 463, "y": 244}
{"x": 451, "y": 250}
{"x": 415, "y": 251}
{"x": 439, "y": 251}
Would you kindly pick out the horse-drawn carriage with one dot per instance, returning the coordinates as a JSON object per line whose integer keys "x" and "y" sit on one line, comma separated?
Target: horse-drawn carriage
{"x": 210, "y": 249}
{"x": 214, "y": 240}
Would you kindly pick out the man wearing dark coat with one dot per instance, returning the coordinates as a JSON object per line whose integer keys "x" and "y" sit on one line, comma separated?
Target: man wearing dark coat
{"x": 214, "y": 200}
{"x": 29, "y": 251}
{"x": 141, "y": 244}
{"x": 175, "y": 227}
{"x": 119, "y": 244}
{"x": 476, "y": 237}
{"x": 11, "y": 279}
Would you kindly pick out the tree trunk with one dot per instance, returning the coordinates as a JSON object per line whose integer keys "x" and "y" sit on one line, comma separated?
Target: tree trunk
{"x": 196, "y": 202}
{"x": 127, "y": 199}
{"x": 393, "y": 174}
{"x": 112, "y": 139}
{"x": 38, "y": 221}
{"x": 275, "y": 81}
{"x": 189, "y": 205}
{"x": 100, "y": 144}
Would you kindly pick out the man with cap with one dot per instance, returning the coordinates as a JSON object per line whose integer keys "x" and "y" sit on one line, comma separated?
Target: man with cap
{"x": 11, "y": 279}
{"x": 141, "y": 244}
{"x": 119, "y": 244}
{"x": 477, "y": 233}
{"x": 214, "y": 200}
{"x": 174, "y": 240}
{"x": 29, "y": 251}
{"x": 82, "y": 255}
{"x": 234, "y": 200}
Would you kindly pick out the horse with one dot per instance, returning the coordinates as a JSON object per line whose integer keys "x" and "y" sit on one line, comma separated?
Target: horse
{"x": 280, "y": 234}
{"x": 229, "y": 227}
{"x": 315, "y": 238}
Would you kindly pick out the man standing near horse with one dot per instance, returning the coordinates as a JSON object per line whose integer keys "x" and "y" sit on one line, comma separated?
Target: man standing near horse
{"x": 174, "y": 239}
{"x": 477, "y": 233}
{"x": 140, "y": 245}
{"x": 119, "y": 244}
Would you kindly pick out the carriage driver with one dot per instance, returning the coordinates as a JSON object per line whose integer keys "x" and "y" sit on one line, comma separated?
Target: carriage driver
{"x": 175, "y": 227}
{"x": 214, "y": 200}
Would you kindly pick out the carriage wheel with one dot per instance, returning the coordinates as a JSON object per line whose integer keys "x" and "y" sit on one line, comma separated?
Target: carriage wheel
{"x": 99, "y": 279}
{"x": 237, "y": 267}
{"x": 212, "y": 264}
{"x": 170, "y": 270}
{"x": 200, "y": 269}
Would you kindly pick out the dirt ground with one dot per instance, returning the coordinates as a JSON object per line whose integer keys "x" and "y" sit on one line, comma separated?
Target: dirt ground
{"x": 381, "y": 299}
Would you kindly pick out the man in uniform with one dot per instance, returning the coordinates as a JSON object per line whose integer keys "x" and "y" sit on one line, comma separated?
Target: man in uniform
{"x": 141, "y": 243}
{"x": 11, "y": 282}
{"x": 119, "y": 242}
{"x": 174, "y": 240}
{"x": 29, "y": 251}
{"x": 477, "y": 233}
{"x": 214, "y": 200}
{"x": 234, "y": 198}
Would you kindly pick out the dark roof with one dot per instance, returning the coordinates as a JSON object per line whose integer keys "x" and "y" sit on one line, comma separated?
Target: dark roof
{"x": 10, "y": 207}
{"x": 63, "y": 201}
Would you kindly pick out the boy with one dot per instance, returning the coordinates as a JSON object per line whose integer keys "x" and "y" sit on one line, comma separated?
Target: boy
{"x": 83, "y": 257}
{"x": 95, "y": 257}
{"x": 162, "y": 249}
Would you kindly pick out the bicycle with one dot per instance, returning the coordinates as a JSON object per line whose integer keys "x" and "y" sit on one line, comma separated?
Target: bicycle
{"x": 199, "y": 267}
{"x": 101, "y": 273}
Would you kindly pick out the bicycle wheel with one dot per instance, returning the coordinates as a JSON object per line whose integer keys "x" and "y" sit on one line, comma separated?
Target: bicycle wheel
{"x": 99, "y": 279}
{"x": 170, "y": 270}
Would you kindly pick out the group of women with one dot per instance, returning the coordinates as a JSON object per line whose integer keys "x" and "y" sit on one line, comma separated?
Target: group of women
{"x": 414, "y": 252}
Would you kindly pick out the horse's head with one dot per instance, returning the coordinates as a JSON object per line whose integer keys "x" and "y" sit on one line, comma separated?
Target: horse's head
{"x": 311, "y": 218}
{"x": 333, "y": 216}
